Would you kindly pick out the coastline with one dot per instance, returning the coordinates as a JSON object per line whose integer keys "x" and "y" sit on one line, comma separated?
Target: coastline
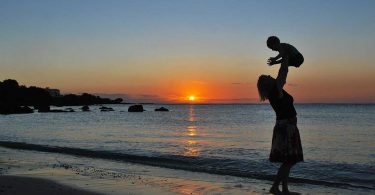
{"x": 96, "y": 176}
{"x": 65, "y": 174}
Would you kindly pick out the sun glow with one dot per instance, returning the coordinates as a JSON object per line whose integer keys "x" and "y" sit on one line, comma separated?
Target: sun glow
{"x": 191, "y": 98}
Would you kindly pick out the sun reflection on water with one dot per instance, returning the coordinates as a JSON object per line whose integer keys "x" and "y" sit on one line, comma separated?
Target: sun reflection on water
{"x": 191, "y": 143}
{"x": 192, "y": 130}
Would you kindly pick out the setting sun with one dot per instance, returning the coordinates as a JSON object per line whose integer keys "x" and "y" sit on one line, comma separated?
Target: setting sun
{"x": 191, "y": 98}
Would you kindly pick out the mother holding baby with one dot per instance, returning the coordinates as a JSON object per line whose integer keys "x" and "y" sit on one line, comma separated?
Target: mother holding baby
{"x": 286, "y": 143}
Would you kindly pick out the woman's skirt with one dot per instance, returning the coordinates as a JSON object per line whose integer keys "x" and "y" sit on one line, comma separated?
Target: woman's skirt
{"x": 286, "y": 142}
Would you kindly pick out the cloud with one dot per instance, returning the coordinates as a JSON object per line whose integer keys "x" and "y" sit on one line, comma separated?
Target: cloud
{"x": 233, "y": 100}
{"x": 240, "y": 83}
{"x": 292, "y": 85}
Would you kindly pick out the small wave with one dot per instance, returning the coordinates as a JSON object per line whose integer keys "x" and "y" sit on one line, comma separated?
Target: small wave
{"x": 195, "y": 164}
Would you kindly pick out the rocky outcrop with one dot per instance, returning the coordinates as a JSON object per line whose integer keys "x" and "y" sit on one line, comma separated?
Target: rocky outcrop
{"x": 15, "y": 98}
{"x": 43, "y": 108}
{"x": 162, "y": 109}
{"x": 136, "y": 108}
{"x": 15, "y": 110}
{"x": 69, "y": 110}
{"x": 106, "y": 109}
{"x": 85, "y": 108}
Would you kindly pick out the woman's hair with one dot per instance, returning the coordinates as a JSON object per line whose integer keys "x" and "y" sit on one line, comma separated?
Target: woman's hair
{"x": 272, "y": 40}
{"x": 264, "y": 86}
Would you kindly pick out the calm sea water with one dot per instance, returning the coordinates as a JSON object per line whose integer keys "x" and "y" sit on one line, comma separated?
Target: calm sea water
{"x": 338, "y": 140}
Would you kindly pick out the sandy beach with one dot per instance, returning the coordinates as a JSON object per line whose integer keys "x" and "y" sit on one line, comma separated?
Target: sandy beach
{"x": 27, "y": 185}
{"x": 45, "y": 173}
{"x": 29, "y": 172}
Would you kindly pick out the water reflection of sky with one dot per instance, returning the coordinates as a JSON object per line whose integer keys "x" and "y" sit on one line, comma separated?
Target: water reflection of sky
{"x": 330, "y": 133}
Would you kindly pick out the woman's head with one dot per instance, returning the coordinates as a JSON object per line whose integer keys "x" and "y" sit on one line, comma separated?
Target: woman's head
{"x": 273, "y": 43}
{"x": 265, "y": 85}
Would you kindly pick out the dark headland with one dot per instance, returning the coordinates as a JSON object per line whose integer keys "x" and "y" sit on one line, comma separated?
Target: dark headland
{"x": 18, "y": 99}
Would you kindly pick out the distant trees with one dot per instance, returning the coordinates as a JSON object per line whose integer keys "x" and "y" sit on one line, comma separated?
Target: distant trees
{"x": 14, "y": 98}
{"x": 84, "y": 99}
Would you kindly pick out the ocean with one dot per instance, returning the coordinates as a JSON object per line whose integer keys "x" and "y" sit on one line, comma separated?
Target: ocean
{"x": 338, "y": 139}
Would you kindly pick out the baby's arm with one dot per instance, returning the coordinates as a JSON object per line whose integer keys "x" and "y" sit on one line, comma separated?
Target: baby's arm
{"x": 280, "y": 58}
{"x": 281, "y": 78}
{"x": 274, "y": 60}
{"x": 277, "y": 57}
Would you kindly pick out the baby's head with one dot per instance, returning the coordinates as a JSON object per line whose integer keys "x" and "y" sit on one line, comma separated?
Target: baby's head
{"x": 273, "y": 43}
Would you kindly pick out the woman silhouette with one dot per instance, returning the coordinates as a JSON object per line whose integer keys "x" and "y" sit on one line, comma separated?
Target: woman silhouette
{"x": 286, "y": 143}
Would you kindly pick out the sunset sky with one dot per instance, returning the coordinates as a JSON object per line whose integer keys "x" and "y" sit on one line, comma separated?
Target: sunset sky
{"x": 168, "y": 50}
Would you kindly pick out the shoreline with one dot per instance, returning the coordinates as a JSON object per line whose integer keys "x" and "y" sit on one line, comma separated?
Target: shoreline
{"x": 10, "y": 184}
{"x": 112, "y": 177}
{"x": 98, "y": 176}
{"x": 177, "y": 164}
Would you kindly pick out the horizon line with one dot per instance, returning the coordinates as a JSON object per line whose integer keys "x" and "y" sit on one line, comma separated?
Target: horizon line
{"x": 160, "y": 103}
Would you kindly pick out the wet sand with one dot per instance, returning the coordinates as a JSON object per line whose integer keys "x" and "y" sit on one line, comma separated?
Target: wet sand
{"x": 29, "y": 172}
{"x": 86, "y": 175}
{"x": 27, "y": 185}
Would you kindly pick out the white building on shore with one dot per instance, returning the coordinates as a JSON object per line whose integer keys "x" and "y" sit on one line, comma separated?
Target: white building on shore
{"x": 53, "y": 92}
